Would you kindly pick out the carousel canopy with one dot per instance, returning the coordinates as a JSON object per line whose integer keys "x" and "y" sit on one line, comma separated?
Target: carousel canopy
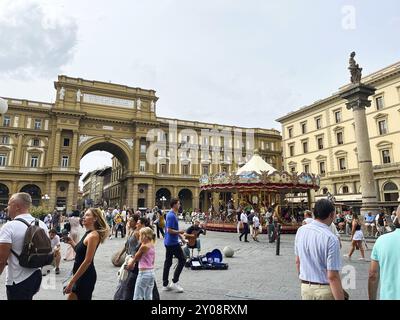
{"x": 258, "y": 175}
{"x": 256, "y": 164}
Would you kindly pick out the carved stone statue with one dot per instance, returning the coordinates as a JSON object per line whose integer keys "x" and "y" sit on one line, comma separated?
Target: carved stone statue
{"x": 139, "y": 104}
{"x": 152, "y": 106}
{"x": 355, "y": 70}
{"x": 78, "y": 95}
{"x": 62, "y": 93}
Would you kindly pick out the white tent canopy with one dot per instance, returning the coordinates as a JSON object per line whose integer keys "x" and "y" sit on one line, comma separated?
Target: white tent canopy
{"x": 257, "y": 164}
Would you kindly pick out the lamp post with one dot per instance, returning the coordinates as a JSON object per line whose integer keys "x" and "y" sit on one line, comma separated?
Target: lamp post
{"x": 3, "y": 106}
{"x": 163, "y": 199}
{"x": 46, "y": 199}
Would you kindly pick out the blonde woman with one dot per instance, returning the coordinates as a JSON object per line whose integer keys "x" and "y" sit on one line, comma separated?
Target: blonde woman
{"x": 145, "y": 256}
{"x": 81, "y": 286}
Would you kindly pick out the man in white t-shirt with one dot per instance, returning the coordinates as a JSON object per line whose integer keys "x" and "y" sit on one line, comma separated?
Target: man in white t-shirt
{"x": 21, "y": 283}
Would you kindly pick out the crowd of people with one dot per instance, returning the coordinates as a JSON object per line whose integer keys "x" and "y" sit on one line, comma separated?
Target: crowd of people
{"x": 317, "y": 249}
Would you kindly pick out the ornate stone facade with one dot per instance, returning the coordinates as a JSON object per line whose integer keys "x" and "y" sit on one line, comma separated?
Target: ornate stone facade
{"x": 42, "y": 144}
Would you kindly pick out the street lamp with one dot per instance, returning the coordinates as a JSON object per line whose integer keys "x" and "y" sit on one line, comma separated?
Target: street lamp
{"x": 3, "y": 106}
{"x": 163, "y": 199}
{"x": 46, "y": 199}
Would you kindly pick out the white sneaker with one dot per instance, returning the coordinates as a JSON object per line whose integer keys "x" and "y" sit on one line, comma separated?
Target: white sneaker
{"x": 167, "y": 288}
{"x": 176, "y": 287}
{"x": 361, "y": 259}
{"x": 347, "y": 256}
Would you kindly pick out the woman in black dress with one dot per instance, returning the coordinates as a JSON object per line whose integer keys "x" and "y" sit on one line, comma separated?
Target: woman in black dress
{"x": 81, "y": 286}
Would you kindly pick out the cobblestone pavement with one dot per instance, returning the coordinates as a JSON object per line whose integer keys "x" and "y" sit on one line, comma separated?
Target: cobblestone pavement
{"x": 255, "y": 272}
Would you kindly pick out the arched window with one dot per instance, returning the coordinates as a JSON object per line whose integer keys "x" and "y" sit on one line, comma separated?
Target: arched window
{"x": 345, "y": 189}
{"x": 390, "y": 191}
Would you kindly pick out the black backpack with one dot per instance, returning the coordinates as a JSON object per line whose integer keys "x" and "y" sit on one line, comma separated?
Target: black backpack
{"x": 36, "y": 251}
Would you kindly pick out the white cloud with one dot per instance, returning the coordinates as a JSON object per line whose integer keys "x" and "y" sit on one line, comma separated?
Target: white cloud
{"x": 32, "y": 43}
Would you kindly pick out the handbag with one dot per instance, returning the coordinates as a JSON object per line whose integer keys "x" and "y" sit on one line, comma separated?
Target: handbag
{"x": 123, "y": 272}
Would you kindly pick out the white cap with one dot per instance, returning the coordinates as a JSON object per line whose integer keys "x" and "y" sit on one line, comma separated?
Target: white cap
{"x": 252, "y": 211}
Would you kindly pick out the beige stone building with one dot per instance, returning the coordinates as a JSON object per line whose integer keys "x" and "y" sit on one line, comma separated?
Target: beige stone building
{"x": 41, "y": 145}
{"x": 320, "y": 138}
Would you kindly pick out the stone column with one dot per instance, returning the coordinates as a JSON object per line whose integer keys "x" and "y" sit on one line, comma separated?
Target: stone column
{"x": 129, "y": 193}
{"x": 150, "y": 196}
{"x": 74, "y": 150}
{"x": 18, "y": 154}
{"x": 195, "y": 199}
{"x": 53, "y": 194}
{"x": 56, "y": 156}
{"x": 135, "y": 196}
{"x": 310, "y": 198}
{"x": 70, "y": 195}
{"x": 357, "y": 97}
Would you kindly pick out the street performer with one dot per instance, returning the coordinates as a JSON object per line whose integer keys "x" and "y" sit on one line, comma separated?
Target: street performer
{"x": 192, "y": 236}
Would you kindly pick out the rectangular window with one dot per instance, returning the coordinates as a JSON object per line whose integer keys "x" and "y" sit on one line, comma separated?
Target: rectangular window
{"x": 66, "y": 142}
{"x": 142, "y": 148}
{"x": 305, "y": 147}
{"x": 142, "y": 166}
{"x": 36, "y": 142}
{"x": 163, "y": 168}
{"x": 291, "y": 151}
{"x": 224, "y": 168}
{"x": 5, "y": 139}
{"x": 64, "y": 161}
{"x": 304, "y": 128}
{"x": 382, "y": 127}
{"x": 322, "y": 168}
{"x": 38, "y": 124}
{"x": 290, "y": 132}
{"x": 185, "y": 169}
{"x": 386, "y": 156}
{"x": 342, "y": 164}
{"x": 292, "y": 169}
{"x": 318, "y": 123}
{"x": 338, "y": 116}
{"x": 339, "y": 137}
{"x": 7, "y": 121}
{"x": 307, "y": 168}
{"x": 379, "y": 103}
{"x": 3, "y": 160}
{"x": 320, "y": 142}
{"x": 34, "y": 161}
{"x": 205, "y": 170}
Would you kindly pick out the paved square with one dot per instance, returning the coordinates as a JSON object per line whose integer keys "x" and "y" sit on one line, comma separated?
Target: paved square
{"x": 255, "y": 272}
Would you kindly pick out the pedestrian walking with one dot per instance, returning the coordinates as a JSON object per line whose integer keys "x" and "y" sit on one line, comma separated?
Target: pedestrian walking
{"x": 21, "y": 283}
{"x": 244, "y": 221}
{"x": 83, "y": 281}
{"x": 173, "y": 248}
{"x": 74, "y": 222}
{"x": 357, "y": 238}
{"x": 317, "y": 253}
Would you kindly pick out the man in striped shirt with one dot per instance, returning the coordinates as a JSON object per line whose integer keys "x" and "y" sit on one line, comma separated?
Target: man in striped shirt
{"x": 318, "y": 259}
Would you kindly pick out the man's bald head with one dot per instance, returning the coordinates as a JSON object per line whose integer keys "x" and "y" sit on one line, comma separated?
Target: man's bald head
{"x": 19, "y": 203}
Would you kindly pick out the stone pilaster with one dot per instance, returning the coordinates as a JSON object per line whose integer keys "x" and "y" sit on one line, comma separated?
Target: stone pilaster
{"x": 150, "y": 196}
{"x": 56, "y": 156}
{"x": 135, "y": 195}
{"x": 70, "y": 196}
{"x": 74, "y": 150}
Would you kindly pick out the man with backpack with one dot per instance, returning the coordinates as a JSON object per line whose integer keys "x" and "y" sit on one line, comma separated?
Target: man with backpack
{"x": 25, "y": 246}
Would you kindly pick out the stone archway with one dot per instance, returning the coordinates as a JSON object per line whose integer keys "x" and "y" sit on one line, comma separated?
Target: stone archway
{"x": 122, "y": 151}
{"x": 166, "y": 193}
{"x": 186, "y": 198}
{"x": 35, "y": 193}
{"x": 390, "y": 191}
{"x": 4, "y": 195}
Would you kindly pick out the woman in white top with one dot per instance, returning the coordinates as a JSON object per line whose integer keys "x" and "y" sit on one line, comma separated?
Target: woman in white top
{"x": 256, "y": 226}
{"x": 357, "y": 238}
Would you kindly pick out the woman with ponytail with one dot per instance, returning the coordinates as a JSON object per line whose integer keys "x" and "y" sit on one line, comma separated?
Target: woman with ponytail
{"x": 83, "y": 281}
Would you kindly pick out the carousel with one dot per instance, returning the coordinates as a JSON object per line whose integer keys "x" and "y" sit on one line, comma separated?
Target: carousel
{"x": 258, "y": 186}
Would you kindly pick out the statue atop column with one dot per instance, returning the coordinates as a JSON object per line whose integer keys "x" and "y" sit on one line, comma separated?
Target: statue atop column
{"x": 355, "y": 70}
{"x": 62, "y": 93}
{"x": 139, "y": 104}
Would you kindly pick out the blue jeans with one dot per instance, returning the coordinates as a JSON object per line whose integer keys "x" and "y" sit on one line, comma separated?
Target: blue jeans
{"x": 186, "y": 249}
{"x": 144, "y": 285}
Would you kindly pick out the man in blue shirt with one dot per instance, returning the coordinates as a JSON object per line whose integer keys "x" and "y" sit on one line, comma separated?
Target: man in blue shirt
{"x": 173, "y": 248}
{"x": 370, "y": 223}
{"x": 385, "y": 261}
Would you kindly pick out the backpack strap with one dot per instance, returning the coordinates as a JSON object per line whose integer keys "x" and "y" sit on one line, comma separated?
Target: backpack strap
{"x": 28, "y": 225}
